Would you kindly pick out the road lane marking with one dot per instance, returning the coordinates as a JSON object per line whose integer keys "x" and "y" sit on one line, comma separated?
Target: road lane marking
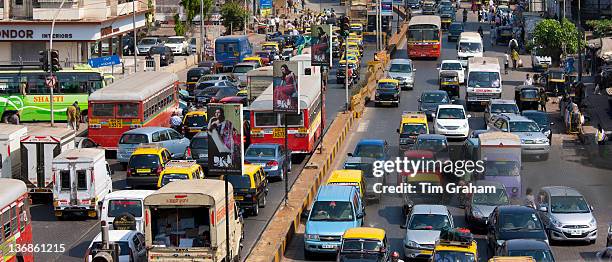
{"x": 363, "y": 126}
{"x": 78, "y": 241}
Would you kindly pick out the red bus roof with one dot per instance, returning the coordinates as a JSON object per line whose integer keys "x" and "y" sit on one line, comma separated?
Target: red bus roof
{"x": 425, "y": 20}
{"x": 135, "y": 87}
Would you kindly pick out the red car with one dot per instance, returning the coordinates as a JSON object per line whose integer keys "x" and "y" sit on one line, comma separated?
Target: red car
{"x": 235, "y": 100}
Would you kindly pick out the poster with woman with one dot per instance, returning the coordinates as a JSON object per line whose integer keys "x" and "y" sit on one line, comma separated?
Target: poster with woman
{"x": 321, "y": 43}
{"x": 285, "y": 92}
{"x": 224, "y": 139}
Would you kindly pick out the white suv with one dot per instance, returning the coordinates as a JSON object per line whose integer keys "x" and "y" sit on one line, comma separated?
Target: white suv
{"x": 452, "y": 121}
{"x": 178, "y": 44}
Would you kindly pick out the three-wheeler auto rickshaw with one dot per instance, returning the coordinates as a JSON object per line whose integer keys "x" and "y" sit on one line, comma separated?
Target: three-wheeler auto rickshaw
{"x": 555, "y": 81}
{"x": 504, "y": 34}
{"x": 527, "y": 97}
{"x": 449, "y": 82}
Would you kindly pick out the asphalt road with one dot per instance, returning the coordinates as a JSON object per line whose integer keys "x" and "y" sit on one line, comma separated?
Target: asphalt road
{"x": 566, "y": 166}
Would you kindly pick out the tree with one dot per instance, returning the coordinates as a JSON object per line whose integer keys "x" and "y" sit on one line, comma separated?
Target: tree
{"x": 192, "y": 9}
{"x": 179, "y": 26}
{"x": 601, "y": 28}
{"x": 233, "y": 14}
{"x": 557, "y": 38}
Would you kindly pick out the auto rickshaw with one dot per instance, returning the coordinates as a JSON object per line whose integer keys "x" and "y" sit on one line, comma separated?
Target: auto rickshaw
{"x": 446, "y": 19}
{"x": 504, "y": 34}
{"x": 527, "y": 97}
{"x": 555, "y": 80}
{"x": 449, "y": 82}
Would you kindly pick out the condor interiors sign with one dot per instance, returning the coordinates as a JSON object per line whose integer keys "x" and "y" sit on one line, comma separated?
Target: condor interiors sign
{"x": 36, "y": 32}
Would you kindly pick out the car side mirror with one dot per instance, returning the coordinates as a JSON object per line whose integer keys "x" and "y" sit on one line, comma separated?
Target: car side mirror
{"x": 543, "y": 209}
{"x": 419, "y": 100}
{"x": 414, "y": 70}
{"x": 360, "y": 215}
{"x": 403, "y": 226}
{"x": 591, "y": 207}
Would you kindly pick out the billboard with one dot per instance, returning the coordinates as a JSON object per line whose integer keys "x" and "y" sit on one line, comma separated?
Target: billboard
{"x": 320, "y": 45}
{"x": 225, "y": 139}
{"x": 386, "y": 7}
{"x": 285, "y": 93}
{"x": 265, "y": 7}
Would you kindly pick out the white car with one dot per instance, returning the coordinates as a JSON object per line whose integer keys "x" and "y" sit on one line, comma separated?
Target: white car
{"x": 423, "y": 227}
{"x": 131, "y": 245}
{"x": 452, "y": 66}
{"x": 178, "y": 44}
{"x": 452, "y": 121}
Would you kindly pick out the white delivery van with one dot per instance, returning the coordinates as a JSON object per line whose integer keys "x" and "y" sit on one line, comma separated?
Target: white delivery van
{"x": 121, "y": 202}
{"x": 82, "y": 179}
{"x": 10, "y": 158}
{"x": 469, "y": 45}
{"x": 38, "y": 148}
{"x": 484, "y": 81}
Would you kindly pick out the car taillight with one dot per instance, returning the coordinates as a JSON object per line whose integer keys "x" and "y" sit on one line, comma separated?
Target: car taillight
{"x": 129, "y": 172}
{"x": 213, "y": 100}
{"x": 188, "y": 153}
{"x": 272, "y": 163}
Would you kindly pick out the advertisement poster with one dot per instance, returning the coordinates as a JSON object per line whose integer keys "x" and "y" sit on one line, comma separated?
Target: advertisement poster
{"x": 285, "y": 94}
{"x": 398, "y": 2}
{"x": 321, "y": 45}
{"x": 386, "y": 7}
{"x": 225, "y": 139}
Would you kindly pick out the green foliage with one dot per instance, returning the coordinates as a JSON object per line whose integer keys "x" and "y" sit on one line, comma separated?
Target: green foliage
{"x": 233, "y": 14}
{"x": 557, "y": 38}
{"x": 601, "y": 28}
{"x": 179, "y": 26}
{"x": 192, "y": 9}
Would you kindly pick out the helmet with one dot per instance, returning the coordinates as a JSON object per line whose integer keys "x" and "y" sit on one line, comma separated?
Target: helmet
{"x": 395, "y": 254}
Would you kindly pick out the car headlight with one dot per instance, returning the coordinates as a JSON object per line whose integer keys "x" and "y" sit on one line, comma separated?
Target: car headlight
{"x": 547, "y": 133}
{"x": 515, "y": 190}
{"x": 404, "y": 140}
{"x": 411, "y": 244}
{"x": 500, "y": 242}
{"x": 312, "y": 237}
{"x": 593, "y": 222}
{"x": 555, "y": 222}
{"x": 523, "y": 141}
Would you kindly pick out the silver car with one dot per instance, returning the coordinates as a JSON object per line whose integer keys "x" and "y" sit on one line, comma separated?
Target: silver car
{"x": 240, "y": 72}
{"x": 168, "y": 138}
{"x": 403, "y": 71}
{"x": 566, "y": 215}
{"x": 146, "y": 43}
{"x": 423, "y": 228}
{"x": 533, "y": 141}
{"x": 499, "y": 106}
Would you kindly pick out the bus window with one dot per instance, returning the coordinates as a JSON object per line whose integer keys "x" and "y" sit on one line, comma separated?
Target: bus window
{"x": 266, "y": 119}
{"x": 103, "y": 110}
{"x": 6, "y": 222}
{"x": 14, "y": 219}
{"x": 293, "y": 120}
{"x": 127, "y": 110}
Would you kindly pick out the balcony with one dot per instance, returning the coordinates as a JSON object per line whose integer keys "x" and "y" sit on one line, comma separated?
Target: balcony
{"x": 48, "y": 9}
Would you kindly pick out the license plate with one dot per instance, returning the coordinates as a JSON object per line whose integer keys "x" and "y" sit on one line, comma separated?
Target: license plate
{"x": 328, "y": 246}
{"x": 239, "y": 198}
{"x": 426, "y": 252}
{"x": 115, "y": 123}
{"x": 483, "y": 103}
{"x": 278, "y": 133}
{"x": 143, "y": 170}
{"x": 575, "y": 232}
{"x": 203, "y": 155}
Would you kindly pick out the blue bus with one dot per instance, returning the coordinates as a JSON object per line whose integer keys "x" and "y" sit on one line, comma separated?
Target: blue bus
{"x": 232, "y": 49}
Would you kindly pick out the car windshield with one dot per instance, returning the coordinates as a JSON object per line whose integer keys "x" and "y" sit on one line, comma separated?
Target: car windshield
{"x": 133, "y": 139}
{"x": 167, "y": 178}
{"x": 520, "y": 221}
{"x": 568, "y": 204}
{"x": 453, "y": 256}
{"x": 451, "y": 113}
{"x": 502, "y": 168}
{"x": 484, "y": 79}
{"x": 261, "y": 152}
{"x": 211, "y": 91}
{"x": 192, "y": 41}
{"x": 541, "y": 119}
{"x": 538, "y": 255}
{"x": 524, "y": 126}
{"x": 452, "y": 66}
{"x": 529, "y": 93}
{"x": 414, "y": 129}
{"x": 239, "y": 181}
{"x": 470, "y": 47}
{"x": 387, "y": 86}
{"x": 537, "y": 51}
{"x": 199, "y": 143}
{"x": 122, "y": 206}
{"x": 434, "y": 98}
{"x": 435, "y": 145}
{"x": 196, "y": 121}
{"x": 400, "y": 68}
{"x": 373, "y": 151}
{"x": 428, "y": 222}
{"x": 242, "y": 68}
{"x": 497, "y": 198}
{"x": 446, "y": 8}
{"x": 361, "y": 245}
{"x": 332, "y": 211}
{"x": 148, "y": 41}
{"x": 148, "y": 160}
{"x": 175, "y": 40}
{"x": 504, "y": 108}
{"x": 124, "y": 247}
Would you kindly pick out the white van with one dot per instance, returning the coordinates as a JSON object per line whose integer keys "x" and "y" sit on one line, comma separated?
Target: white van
{"x": 10, "y": 149}
{"x": 121, "y": 202}
{"x": 469, "y": 45}
{"x": 82, "y": 178}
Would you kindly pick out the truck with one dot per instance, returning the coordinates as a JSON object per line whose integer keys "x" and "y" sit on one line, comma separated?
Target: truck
{"x": 501, "y": 154}
{"x": 483, "y": 81}
{"x": 186, "y": 221}
{"x": 38, "y": 148}
{"x": 258, "y": 80}
{"x": 82, "y": 179}
{"x": 10, "y": 158}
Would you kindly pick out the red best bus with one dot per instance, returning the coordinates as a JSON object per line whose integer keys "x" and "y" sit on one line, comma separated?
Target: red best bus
{"x": 139, "y": 100}
{"x": 16, "y": 228}
{"x": 304, "y": 129}
{"x": 424, "y": 36}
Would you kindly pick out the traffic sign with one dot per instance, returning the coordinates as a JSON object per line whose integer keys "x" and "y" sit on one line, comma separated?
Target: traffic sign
{"x": 104, "y": 61}
{"x": 51, "y": 81}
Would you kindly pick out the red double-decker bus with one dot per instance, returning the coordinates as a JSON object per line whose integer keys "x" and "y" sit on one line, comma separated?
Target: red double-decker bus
{"x": 139, "y": 100}
{"x": 304, "y": 129}
{"x": 16, "y": 229}
{"x": 424, "y": 36}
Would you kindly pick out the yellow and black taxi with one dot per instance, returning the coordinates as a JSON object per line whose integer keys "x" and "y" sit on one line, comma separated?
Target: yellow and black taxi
{"x": 456, "y": 245}
{"x": 348, "y": 177}
{"x": 255, "y": 59}
{"x": 364, "y": 244}
{"x": 356, "y": 28}
{"x": 387, "y": 92}
{"x": 271, "y": 46}
{"x": 411, "y": 126}
{"x": 250, "y": 188}
{"x": 146, "y": 164}
{"x": 194, "y": 122}
{"x": 353, "y": 67}
{"x": 352, "y": 46}
{"x": 180, "y": 170}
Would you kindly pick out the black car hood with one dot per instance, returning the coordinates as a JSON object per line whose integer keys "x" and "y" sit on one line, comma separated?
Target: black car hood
{"x": 506, "y": 235}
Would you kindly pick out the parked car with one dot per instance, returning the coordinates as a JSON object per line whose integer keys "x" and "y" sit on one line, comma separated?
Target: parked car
{"x": 423, "y": 226}
{"x": 541, "y": 118}
{"x": 272, "y": 157}
{"x": 537, "y": 249}
{"x": 533, "y": 141}
{"x": 452, "y": 121}
{"x": 131, "y": 245}
{"x": 178, "y": 44}
{"x": 430, "y": 100}
{"x": 478, "y": 206}
{"x": 193, "y": 45}
{"x": 214, "y": 94}
{"x": 146, "y": 43}
{"x": 513, "y": 222}
{"x": 164, "y": 136}
{"x": 566, "y": 215}
{"x": 166, "y": 56}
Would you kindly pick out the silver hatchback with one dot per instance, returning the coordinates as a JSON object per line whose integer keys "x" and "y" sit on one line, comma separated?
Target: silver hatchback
{"x": 533, "y": 141}
{"x": 403, "y": 71}
{"x": 566, "y": 214}
{"x": 167, "y": 137}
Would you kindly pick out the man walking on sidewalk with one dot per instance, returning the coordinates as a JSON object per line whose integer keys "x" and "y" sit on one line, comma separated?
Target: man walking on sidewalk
{"x": 515, "y": 58}
{"x": 543, "y": 100}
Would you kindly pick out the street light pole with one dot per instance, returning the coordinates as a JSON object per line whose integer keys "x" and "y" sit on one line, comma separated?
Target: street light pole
{"x": 134, "y": 32}
{"x": 50, "y": 64}
{"x": 202, "y": 51}
{"x": 581, "y": 32}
